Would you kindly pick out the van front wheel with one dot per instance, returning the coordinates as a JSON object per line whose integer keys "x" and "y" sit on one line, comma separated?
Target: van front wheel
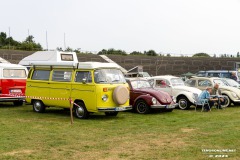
{"x": 38, "y": 106}
{"x": 81, "y": 111}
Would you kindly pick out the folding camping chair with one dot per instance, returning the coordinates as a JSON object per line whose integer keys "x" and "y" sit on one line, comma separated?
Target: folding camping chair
{"x": 202, "y": 103}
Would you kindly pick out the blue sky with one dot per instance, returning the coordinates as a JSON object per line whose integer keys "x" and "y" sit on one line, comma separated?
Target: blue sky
{"x": 167, "y": 26}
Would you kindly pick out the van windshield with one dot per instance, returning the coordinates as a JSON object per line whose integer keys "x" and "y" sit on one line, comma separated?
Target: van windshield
{"x": 14, "y": 73}
{"x": 108, "y": 76}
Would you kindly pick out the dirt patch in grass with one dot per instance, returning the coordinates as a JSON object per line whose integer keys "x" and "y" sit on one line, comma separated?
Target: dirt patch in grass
{"x": 188, "y": 130}
{"x": 142, "y": 146}
{"x": 13, "y": 153}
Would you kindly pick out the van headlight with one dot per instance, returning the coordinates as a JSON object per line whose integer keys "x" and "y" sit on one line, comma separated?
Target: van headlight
{"x": 154, "y": 101}
{"x": 104, "y": 97}
{"x": 234, "y": 95}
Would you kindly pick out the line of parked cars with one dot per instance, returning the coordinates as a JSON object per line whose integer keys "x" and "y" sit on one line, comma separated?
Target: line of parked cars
{"x": 101, "y": 87}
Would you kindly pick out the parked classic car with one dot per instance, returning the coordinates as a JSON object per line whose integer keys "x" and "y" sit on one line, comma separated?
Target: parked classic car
{"x": 144, "y": 98}
{"x": 231, "y": 82}
{"x": 175, "y": 86}
{"x": 232, "y": 93}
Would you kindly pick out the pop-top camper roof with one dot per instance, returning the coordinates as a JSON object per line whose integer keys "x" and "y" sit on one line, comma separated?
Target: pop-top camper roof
{"x": 53, "y": 56}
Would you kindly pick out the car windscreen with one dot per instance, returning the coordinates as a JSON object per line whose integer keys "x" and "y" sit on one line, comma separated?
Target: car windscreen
{"x": 177, "y": 82}
{"x": 108, "y": 76}
{"x": 220, "y": 82}
{"x": 232, "y": 83}
{"x": 140, "y": 84}
{"x": 14, "y": 73}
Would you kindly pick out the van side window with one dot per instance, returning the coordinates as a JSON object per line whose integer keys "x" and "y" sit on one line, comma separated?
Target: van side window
{"x": 80, "y": 75}
{"x": 41, "y": 75}
{"x": 62, "y": 76}
{"x": 213, "y": 74}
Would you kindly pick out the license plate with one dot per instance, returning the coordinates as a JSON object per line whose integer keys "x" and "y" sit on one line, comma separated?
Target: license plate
{"x": 170, "y": 106}
{"x": 15, "y": 91}
{"x": 119, "y": 109}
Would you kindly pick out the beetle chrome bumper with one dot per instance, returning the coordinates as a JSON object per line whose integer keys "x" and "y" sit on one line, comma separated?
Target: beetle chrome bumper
{"x": 237, "y": 100}
{"x": 115, "y": 109}
{"x": 172, "y": 106}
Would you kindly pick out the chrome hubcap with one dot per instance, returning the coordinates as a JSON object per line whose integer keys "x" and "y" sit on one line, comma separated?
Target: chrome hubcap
{"x": 80, "y": 111}
{"x": 141, "y": 107}
{"x": 37, "y": 106}
{"x": 182, "y": 103}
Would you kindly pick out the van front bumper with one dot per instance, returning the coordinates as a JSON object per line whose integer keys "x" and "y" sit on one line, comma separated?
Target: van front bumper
{"x": 115, "y": 109}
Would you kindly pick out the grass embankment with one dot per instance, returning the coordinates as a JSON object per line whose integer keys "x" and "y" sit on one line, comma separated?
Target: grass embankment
{"x": 180, "y": 135}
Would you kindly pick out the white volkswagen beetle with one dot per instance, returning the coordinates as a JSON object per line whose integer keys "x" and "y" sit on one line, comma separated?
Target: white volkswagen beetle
{"x": 232, "y": 93}
{"x": 175, "y": 86}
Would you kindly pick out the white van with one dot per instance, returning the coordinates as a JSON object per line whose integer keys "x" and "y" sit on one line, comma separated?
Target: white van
{"x": 219, "y": 73}
{"x": 12, "y": 83}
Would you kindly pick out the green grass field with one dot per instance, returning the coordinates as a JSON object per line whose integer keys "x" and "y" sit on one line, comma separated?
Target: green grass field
{"x": 178, "y": 135}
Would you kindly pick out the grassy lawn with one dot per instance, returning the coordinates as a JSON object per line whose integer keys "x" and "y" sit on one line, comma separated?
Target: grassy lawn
{"x": 179, "y": 135}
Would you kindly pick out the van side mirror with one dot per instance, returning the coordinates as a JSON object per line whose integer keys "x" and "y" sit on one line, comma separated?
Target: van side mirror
{"x": 84, "y": 80}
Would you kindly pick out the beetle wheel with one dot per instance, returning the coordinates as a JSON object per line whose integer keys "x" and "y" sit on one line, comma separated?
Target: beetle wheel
{"x": 142, "y": 107}
{"x": 183, "y": 103}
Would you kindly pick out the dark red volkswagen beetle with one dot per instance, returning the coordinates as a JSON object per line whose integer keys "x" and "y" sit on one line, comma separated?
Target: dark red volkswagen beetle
{"x": 144, "y": 98}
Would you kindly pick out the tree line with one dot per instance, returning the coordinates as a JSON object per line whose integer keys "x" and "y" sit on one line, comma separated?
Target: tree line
{"x": 28, "y": 44}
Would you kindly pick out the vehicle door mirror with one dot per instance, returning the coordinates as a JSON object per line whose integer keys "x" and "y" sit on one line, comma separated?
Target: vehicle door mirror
{"x": 84, "y": 80}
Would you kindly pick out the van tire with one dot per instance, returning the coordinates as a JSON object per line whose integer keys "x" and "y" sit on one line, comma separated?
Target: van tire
{"x": 18, "y": 103}
{"x": 38, "y": 106}
{"x": 80, "y": 111}
{"x": 111, "y": 113}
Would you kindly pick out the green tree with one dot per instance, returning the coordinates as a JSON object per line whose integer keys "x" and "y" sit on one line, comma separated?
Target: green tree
{"x": 30, "y": 39}
{"x": 201, "y": 55}
{"x": 136, "y": 53}
{"x": 68, "y": 49}
{"x": 112, "y": 51}
{"x": 103, "y": 51}
{"x": 30, "y": 45}
{"x": 3, "y": 37}
{"x": 150, "y": 53}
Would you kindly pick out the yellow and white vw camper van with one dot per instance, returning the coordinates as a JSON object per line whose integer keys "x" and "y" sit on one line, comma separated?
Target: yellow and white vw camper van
{"x": 90, "y": 86}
